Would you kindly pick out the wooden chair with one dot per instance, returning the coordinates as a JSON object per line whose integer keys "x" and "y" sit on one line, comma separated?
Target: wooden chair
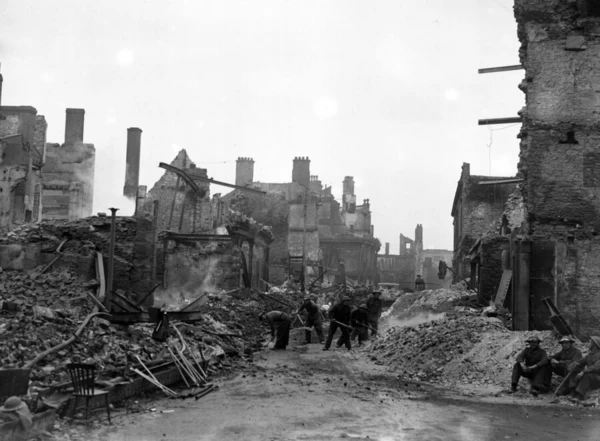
{"x": 82, "y": 377}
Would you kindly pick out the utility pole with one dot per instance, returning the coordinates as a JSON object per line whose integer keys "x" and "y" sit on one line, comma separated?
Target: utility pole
{"x": 303, "y": 278}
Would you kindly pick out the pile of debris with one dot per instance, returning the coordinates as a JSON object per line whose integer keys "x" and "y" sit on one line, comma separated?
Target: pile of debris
{"x": 41, "y": 311}
{"x": 429, "y": 338}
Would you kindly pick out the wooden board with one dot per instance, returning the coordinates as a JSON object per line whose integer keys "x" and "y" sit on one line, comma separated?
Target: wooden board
{"x": 503, "y": 288}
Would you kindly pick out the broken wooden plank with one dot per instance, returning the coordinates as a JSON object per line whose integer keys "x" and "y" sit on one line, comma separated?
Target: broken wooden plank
{"x": 101, "y": 292}
{"x": 503, "y": 288}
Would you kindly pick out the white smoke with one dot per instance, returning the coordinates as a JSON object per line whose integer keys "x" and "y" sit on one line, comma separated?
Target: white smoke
{"x": 415, "y": 320}
{"x": 183, "y": 292}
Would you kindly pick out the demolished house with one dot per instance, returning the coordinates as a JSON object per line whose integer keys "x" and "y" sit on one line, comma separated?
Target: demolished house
{"x": 316, "y": 233}
{"x": 43, "y": 180}
{"x": 204, "y": 248}
{"x": 413, "y": 260}
{"x": 544, "y": 237}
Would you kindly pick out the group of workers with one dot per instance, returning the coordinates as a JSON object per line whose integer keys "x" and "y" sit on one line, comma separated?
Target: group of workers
{"x": 581, "y": 374}
{"x": 352, "y": 322}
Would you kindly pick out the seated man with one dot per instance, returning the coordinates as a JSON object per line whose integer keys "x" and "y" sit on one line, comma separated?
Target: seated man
{"x": 532, "y": 363}
{"x": 16, "y": 410}
{"x": 564, "y": 361}
{"x": 588, "y": 378}
{"x": 280, "y": 322}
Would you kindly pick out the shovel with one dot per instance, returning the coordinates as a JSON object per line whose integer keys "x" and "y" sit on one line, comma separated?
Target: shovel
{"x": 554, "y": 396}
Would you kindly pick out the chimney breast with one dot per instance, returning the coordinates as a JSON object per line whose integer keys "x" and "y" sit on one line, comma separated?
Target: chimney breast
{"x": 74, "y": 126}
{"x": 132, "y": 166}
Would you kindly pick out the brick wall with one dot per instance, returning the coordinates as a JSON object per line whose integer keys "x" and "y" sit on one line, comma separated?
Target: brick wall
{"x": 197, "y": 208}
{"x": 560, "y": 140}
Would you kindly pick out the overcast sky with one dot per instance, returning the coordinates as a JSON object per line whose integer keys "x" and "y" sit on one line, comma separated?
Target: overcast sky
{"x": 385, "y": 91}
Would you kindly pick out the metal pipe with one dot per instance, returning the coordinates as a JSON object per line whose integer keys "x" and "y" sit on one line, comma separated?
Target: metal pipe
{"x": 111, "y": 254}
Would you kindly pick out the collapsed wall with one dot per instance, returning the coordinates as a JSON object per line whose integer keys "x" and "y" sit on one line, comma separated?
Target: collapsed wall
{"x": 560, "y": 139}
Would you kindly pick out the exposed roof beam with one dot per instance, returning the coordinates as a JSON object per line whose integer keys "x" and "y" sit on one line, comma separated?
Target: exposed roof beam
{"x": 501, "y": 181}
{"x": 500, "y": 69}
{"x": 489, "y": 121}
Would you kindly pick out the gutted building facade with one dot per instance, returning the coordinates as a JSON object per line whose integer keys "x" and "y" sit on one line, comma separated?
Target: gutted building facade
{"x": 22, "y": 153}
{"x": 318, "y": 227}
{"x": 560, "y": 160}
{"x": 68, "y": 188}
{"x": 479, "y": 204}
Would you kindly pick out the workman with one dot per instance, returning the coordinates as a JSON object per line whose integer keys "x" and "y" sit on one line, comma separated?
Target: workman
{"x": 565, "y": 361}
{"x": 313, "y": 319}
{"x": 359, "y": 319}
{"x": 419, "y": 283}
{"x": 532, "y": 363}
{"x": 340, "y": 318}
{"x": 280, "y": 322}
{"x": 588, "y": 378}
{"x": 374, "y": 307}
{"x": 16, "y": 410}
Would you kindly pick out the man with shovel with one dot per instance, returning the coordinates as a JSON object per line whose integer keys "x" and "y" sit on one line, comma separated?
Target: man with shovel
{"x": 280, "y": 322}
{"x": 588, "y": 378}
{"x": 313, "y": 319}
{"x": 340, "y": 318}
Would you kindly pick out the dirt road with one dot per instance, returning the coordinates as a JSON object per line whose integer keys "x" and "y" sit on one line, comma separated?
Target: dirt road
{"x": 307, "y": 394}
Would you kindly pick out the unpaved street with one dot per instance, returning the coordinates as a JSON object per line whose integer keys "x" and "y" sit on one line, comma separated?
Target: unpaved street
{"x": 307, "y": 394}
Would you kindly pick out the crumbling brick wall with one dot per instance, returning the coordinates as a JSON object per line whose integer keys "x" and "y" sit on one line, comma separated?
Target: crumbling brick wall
{"x": 68, "y": 181}
{"x": 560, "y": 139}
{"x": 175, "y": 197}
{"x": 491, "y": 265}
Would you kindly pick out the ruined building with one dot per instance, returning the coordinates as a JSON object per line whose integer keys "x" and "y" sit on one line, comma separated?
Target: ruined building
{"x": 477, "y": 210}
{"x": 22, "y": 146}
{"x": 388, "y": 266}
{"x": 318, "y": 227}
{"x": 43, "y": 180}
{"x": 200, "y": 246}
{"x": 559, "y": 250}
{"x": 414, "y": 259}
{"x": 68, "y": 173}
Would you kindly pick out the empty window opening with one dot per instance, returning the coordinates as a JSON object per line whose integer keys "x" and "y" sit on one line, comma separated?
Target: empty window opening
{"x": 570, "y": 139}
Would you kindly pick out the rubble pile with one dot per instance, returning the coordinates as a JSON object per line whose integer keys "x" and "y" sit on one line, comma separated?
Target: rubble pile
{"x": 437, "y": 300}
{"x": 427, "y": 337}
{"x": 422, "y": 351}
{"x": 40, "y": 311}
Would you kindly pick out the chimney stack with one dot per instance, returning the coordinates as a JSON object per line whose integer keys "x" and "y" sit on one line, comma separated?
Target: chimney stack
{"x": 301, "y": 171}
{"x": 74, "y": 126}
{"x": 132, "y": 167}
{"x": 244, "y": 171}
{"x": 348, "y": 185}
{"x": 387, "y": 248}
